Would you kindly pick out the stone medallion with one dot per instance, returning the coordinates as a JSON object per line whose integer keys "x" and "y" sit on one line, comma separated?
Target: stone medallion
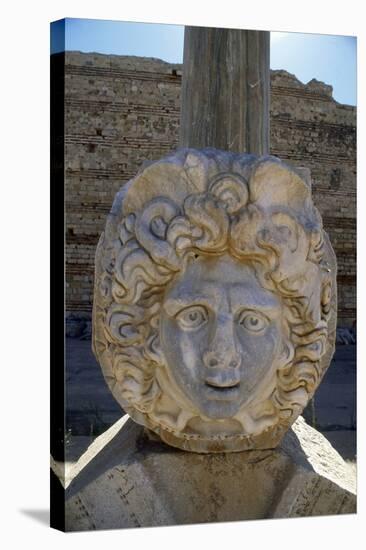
{"x": 215, "y": 299}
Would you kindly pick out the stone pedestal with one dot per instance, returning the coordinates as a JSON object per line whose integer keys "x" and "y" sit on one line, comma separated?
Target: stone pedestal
{"x": 126, "y": 479}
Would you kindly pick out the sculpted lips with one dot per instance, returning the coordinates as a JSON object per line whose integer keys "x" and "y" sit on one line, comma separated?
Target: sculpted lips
{"x": 223, "y": 378}
{"x": 222, "y": 384}
{"x": 219, "y": 393}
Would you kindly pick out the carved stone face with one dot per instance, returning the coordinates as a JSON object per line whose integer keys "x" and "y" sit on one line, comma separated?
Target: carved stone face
{"x": 220, "y": 333}
{"x": 215, "y": 299}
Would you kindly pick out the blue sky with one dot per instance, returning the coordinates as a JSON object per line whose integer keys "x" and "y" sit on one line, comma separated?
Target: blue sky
{"x": 331, "y": 59}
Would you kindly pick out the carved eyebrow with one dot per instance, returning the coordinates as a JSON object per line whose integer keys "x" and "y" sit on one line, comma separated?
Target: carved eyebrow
{"x": 246, "y": 300}
{"x": 173, "y": 305}
{"x": 239, "y": 299}
{"x": 269, "y": 309}
{"x": 253, "y": 305}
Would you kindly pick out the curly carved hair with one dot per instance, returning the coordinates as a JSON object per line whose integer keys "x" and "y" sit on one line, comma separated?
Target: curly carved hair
{"x": 257, "y": 210}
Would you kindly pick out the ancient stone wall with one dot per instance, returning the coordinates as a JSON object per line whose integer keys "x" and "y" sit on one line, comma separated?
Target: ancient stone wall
{"x": 121, "y": 111}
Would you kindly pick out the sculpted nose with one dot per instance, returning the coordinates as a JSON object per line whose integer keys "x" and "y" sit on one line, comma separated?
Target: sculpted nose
{"x": 221, "y": 369}
{"x": 216, "y": 358}
{"x": 222, "y": 352}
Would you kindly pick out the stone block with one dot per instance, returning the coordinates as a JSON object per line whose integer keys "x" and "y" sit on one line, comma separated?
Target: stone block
{"x": 125, "y": 479}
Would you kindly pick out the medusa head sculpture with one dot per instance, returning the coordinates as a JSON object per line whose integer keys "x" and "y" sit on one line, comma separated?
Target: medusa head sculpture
{"x": 215, "y": 299}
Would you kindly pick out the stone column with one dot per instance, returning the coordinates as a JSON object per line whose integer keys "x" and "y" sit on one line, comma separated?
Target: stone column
{"x": 225, "y": 90}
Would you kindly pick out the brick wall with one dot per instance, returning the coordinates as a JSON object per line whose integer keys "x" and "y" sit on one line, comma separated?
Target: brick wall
{"x": 121, "y": 111}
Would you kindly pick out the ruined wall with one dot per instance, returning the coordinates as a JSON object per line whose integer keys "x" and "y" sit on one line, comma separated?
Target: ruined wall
{"x": 121, "y": 111}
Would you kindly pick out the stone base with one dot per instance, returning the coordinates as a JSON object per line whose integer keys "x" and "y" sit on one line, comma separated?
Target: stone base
{"x": 126, "y": 479}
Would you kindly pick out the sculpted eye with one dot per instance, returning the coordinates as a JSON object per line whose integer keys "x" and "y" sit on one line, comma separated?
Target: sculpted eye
{"x": 192, "y": 317}
{"x": 253, "y": 321}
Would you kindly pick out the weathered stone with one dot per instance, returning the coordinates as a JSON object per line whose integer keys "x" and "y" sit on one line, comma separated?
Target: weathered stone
{"x": 226, "y": 80}
{"x": 214, "y": 321}
{"x": 145, "y": 123}
{"x": 127, "y": 480}
{"x": 215, "y": 299}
